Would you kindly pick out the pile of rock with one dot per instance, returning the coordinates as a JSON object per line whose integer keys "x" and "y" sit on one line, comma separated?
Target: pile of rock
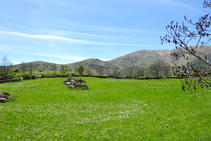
{"x": 74, "y": 83}
{"x": 4, "y": 97}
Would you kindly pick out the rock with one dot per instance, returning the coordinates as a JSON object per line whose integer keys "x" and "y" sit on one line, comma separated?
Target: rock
{"x": 85, "y": 87}
{"x": 64, "y": 82}
{"x": 39, "y": 76}
{"x": 4, "y": 97}
{"x": 74, "y": 83}
{"x": 68, "y": 83}
{"x": 3, "y": 100}
{"x": 6, "y": 93}
{"x": 21, "y": 78}
{"x": 80, "y": 80}
{"x": 71, "y": 87}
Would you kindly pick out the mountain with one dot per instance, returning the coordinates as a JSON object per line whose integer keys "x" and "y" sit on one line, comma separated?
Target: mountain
{"x": 202, "y": 52}
{"x": 91, "y": 63}
{"x": 45, "y": 65}
{"x": 142, "y": 58}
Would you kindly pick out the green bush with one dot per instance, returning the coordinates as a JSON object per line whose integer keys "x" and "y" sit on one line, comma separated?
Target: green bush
{"x": 80, "y": 69}
{"x": 26, "y": 76}
{"x": 135, "y": 76}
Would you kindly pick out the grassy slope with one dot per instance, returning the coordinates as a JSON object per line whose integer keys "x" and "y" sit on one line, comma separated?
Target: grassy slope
{"x": 46, "y": 109}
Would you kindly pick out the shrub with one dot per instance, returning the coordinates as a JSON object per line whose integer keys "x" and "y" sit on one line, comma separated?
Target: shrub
{"x": 135, "y": 76}
{"x": 80, "y": 69}
{"x": 26, "y": 76}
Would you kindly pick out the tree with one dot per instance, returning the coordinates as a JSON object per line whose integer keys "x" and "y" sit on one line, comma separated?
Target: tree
{"x": 170, "y": 73}
{"x": 76, "y": 69}
{"x": 140, "y": 72}
{"x": 159, "y": 68}
{"x": 100, "y": 70}
{"x": 146, "y": 74}
{"x": 80, "y": 69}
{"x": 31, "y": 68}
{"x": 63, "y": 69}
{"x": 88, "y": 70}
{"x": 165, "y": 70}
{"x": 47, "y": 72}
{"x": 40, "y": 68}
{"x": 197, "y": 33}
{"x": 54, "y": 68}
{"x": 155, "y": 68}
{"x": 6, "y": 67}
{"x": 116, "y": 71}
{"x": 130, "y": 71}
{"x": 23, "y": 66}
{"x": 10, "y": 70}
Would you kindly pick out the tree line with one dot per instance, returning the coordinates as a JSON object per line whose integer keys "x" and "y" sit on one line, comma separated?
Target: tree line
{"x": 157, "y": 69}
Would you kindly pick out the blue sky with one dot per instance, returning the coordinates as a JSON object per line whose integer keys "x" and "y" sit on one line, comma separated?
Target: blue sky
{"x": 67, "y": 31}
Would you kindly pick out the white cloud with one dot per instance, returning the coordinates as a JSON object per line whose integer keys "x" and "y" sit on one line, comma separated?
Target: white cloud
{"x": 79, "y": 34}
{"x": 69, "y": 57}
{"x": 71, "y": 40}
{"x": 8, "y": 48}
{"x": 40, "y": 36}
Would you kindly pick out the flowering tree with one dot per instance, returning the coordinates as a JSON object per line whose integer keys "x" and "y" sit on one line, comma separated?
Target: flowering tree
{"x": 182, "y": 36}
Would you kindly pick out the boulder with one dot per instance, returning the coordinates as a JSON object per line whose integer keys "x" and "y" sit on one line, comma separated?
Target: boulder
{"x": 68, "y": 83}
{"x": 6, "y": 93}
{"x": 74, "y": 83}
{"x": 4, "y": 97}
{"x": 3, "y": 100}
{"x": 71, "y": 87}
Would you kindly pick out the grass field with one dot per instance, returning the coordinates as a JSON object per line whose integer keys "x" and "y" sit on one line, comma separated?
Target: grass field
{"x": 45, "y": 109}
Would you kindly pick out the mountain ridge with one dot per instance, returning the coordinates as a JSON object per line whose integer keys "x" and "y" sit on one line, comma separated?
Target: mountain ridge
{"x": 141, "y": 58}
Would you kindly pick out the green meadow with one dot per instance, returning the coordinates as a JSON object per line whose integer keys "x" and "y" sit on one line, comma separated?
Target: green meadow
{"x": 113, "y": 109}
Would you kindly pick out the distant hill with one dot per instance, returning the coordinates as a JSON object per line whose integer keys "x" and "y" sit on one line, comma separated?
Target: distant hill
{"x": 91, "y": 63}
{"x": 45, "y": 65}
{"x": 142, "y": 58}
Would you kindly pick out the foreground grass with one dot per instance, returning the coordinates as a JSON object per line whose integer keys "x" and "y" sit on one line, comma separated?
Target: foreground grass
{"x": 45, "y": 109}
